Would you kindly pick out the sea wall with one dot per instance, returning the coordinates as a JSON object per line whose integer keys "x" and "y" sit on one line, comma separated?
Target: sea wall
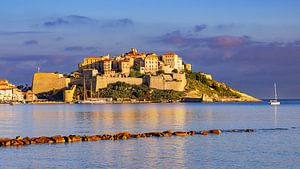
{"x": 44, "y": 82}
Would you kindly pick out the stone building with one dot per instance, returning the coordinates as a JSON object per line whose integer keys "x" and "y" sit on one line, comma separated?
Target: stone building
{"x": 125, "y": 67}
{"x": 92, "y": 62}
{"x": 151, "y": 63}
{"x": 173, "y": 60}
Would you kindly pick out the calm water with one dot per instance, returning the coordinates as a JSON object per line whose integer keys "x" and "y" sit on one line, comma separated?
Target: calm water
{"x": 262, "y": 149}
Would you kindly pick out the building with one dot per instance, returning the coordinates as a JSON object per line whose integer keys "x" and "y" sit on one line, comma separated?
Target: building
{"x": 9, "y": 92}
{"x": 173, "y": 60}
{"x": 188, "y": 67}
{"x": 92, "y": 62}
{"x": 151, "y": 63}
{"x": 125, "y": 67}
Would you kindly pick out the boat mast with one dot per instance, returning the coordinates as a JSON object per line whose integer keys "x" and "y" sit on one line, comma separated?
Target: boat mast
{"x": 275, "y": 91}
{"x": 84, "y": 89}
{"x": 91, "y": 81}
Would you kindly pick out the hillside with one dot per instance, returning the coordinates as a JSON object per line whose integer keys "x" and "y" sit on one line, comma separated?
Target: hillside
{"x": 201, "y": 86}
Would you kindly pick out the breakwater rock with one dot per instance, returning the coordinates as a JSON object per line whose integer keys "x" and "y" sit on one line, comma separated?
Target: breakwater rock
{"x": 19, "y": 141}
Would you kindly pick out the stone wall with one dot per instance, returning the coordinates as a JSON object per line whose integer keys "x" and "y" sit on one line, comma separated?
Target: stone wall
{"x": 177, "y": 83}
{"x": 44, "y": 82}
{"x": 102, "y": 82}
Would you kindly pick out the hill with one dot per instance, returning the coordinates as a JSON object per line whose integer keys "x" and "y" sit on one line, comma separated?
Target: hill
{"x": 200, "y": 85}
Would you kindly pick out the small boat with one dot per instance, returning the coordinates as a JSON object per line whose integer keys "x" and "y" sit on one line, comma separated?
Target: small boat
{"x": 275, "y": 101}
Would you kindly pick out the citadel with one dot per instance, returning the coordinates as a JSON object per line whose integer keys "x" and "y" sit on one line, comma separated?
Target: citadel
{"x": 164, "y": 72}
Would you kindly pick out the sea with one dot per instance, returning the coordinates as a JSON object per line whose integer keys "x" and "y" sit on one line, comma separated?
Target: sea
{"x": 275, "y": 144}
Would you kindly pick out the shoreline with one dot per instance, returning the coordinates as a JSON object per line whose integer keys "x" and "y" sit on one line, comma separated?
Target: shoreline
{"x": 125, "y": 102}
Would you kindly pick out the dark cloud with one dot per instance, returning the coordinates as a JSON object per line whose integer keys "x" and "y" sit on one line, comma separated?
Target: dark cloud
{"x": 57, "y": 22}
{"x": 80, "y": 48}
{"x": 31, "y": 42}
{"x": 200, "y": 28}
{"x": 59, "y": 39}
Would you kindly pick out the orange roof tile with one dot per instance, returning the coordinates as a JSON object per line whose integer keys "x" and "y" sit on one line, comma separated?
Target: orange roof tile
{"x": 169, "y": 53}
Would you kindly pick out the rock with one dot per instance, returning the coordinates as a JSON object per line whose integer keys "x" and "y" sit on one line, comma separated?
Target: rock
{"x": 18, "y": 138}
{"x": 74, "y": 138}
{"x": 122, "y": 136}
{"x": 192, "y": 133}
{"x": 203, "y": 133}
{"x": 16, "y": 142}
{"x": 107, "y": 137}
{"x": 93, "y": 138}
{"x": 249, "y": 130}
{"x": 168, "y": 133}
{"x": 58, "y": 139}
{"x": 5, "y": 141}
{"x": 215, "y": 131}
{"x": 42, "y": 139}
{"x": 155, "y": 133}
{"x": 181, "y": 133}
{"x": 84, "y": 138}
{"x": 27, "y": 140}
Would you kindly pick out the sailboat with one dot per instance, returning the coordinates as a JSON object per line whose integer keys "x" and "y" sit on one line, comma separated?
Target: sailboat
{"x": 275, "y": 101}
{"x": 92, "y": 100}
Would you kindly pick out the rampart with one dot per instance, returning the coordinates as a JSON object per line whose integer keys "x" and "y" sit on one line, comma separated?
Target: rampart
{"x": 174, "y": 81}
{"x": 44, "y": 82}
{"x": 102, "y": 82}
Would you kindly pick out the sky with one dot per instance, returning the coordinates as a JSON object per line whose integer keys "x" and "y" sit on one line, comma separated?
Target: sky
{"x": 246, "y": 44}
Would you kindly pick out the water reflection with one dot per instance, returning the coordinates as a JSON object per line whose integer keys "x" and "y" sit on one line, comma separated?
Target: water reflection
{"x": 36, "y": 120}
{"x": 275, "y": 116}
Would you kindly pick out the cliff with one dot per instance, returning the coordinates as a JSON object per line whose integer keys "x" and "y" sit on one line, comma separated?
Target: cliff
{"x": 200, "y": 85}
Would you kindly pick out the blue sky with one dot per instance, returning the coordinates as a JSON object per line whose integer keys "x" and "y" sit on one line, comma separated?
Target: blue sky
{"x": 247, "y": 44}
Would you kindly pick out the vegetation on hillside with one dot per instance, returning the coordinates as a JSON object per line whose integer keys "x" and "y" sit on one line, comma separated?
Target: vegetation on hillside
{"x": 53, "y": 95}
{"x": 198, "y": 82}
{"x": 139, "y": 92}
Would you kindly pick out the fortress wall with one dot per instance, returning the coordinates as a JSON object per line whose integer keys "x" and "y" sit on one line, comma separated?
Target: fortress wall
{"x": 158, "y": 82}
{"x": 44, "y": 82}
{"x": 102, "y": 82}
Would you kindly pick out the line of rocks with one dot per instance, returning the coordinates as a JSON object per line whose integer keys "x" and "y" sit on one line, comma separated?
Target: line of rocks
{"x": 19, "y": 141}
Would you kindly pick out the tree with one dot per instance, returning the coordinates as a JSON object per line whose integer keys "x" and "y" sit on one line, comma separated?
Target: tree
{"x": 160, "y": 72}
{"x": 175, "y": 70}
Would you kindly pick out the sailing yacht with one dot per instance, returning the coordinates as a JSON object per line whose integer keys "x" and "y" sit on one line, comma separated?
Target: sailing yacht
{"x": 275, "y": 101}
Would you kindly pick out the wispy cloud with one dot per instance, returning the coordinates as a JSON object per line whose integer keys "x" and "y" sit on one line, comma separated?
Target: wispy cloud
{"x": 31, "y": 42}
{"x": 71, "y": 20}
{"x": 22, "y": 32}
{"x": 80, "y": 48}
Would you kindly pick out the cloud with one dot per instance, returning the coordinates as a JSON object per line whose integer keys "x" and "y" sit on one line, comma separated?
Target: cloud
{"x": 119, "y": 23}
{"x": 57, "y": 22}
{"x": 80, "y": 48}
{"x": 59, "y": 39}
{"x": 180, "y": 40}
{"x": 200, "y": 28}
{"x": 31, "y": 42}
{"x": 19, "y": 69}
{"x": 22, "y": 32}
{"x": 242, "y": 62}
{"x": 71, "y": 20}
